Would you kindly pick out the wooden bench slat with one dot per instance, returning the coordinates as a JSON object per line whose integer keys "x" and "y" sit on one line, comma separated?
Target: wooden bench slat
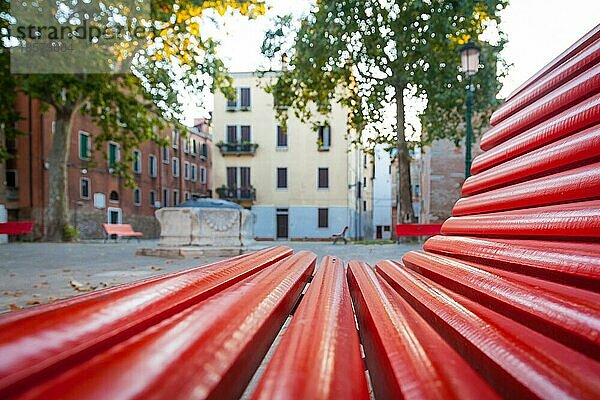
{"x": 320, "y": 350}
{"x": 210, "y": 350}
{"x": 114, "y": 314}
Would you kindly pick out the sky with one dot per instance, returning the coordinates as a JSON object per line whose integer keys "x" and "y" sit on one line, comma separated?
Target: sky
{"x": 537, "y": 31}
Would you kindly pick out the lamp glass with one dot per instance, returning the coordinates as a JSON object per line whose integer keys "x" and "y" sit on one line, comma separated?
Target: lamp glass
{"x": 469, "y": 57}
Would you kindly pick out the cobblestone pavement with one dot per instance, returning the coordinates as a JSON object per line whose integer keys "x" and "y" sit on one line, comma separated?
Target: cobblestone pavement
{"x": 38, "y": 273}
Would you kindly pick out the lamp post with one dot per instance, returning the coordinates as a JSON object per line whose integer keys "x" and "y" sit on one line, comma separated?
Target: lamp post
{"x": 469, "y": 57}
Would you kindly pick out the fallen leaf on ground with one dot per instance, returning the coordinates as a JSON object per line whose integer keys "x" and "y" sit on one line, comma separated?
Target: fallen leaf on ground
{"x": 81, "y": 287}
{"x": 14, "y": 307}
{"x": 33, "y": 302}
{"x": 155, "y": 268}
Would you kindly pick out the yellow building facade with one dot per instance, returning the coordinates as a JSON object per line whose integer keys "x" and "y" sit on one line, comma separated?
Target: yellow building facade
{"x": 300, "y": 184}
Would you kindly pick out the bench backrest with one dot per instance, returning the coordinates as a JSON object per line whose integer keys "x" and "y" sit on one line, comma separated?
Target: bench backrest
{"x": 117, "y": 228}
{"x": 16, "y": 227}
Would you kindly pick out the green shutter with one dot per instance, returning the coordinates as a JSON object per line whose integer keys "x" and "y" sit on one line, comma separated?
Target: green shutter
{"x": 83, "y": 146}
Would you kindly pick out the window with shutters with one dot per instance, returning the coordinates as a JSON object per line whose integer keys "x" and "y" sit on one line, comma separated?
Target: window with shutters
{"x": 323, "y": 178}
{"x": 282, "y": 178}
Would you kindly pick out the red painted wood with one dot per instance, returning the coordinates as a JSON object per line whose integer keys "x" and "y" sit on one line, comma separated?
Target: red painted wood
{"x": 38, "y": 344}
{"x": 577, "y": 184}
{"x": 319, "y": 356}
{"x": 418, "y": 229}
{"x": 587, "y": 58}
{"x": 572, "y": 92}
{"x": 405, "y": 356}
{"x": 573, "y": 321}
{"x": 581, "y": 116}
{"x": 16, "y": 227}
{"x": 120, "y": 230}
{"x": 575, "y": 264}
{"x": 579, "y": 221}
{"x": 578, "y": 149}
{"x": 208, "y": 351}
{"x": 517, "y": 361}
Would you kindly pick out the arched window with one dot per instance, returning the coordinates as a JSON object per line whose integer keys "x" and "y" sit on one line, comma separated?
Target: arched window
{"x": 114, "y": 196}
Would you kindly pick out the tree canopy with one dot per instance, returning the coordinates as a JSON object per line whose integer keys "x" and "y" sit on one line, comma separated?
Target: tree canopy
{"x": 370, "y": 55}
{"x": 131, "y": 106}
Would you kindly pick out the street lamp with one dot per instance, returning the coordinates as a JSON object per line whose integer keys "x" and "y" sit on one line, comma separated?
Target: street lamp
{"x": 469, "y": 57}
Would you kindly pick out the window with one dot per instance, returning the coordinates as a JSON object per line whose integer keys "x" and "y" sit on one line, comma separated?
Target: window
{"x": 194, "y": 147}
{"x": 137, "y": 196}
{"x": 231, "y": 134}
{"x": 84, "y": 188}
{"x": 282, "y": 178}
{"x": 204, "y": 150}
{"x": 152, "y": 165}
{"x": 232, "y": 104}
{"x": 186, "y": 145}
{"x": 194, "y": 172}
{"x": 152, "y": 198}
{"x": 165, "y": 155}
{"x": 113, "y": 197}
{"x": 186, "y": 195}
{"x": 364, "y": 161}
{"x": 137, "y": 161}
{"x": 241, "y": 100}
{"x": 113, "y": 154}
{"x": 175, "y": 138}
{"x": 324, "y": 139}
{"x": 364, "y": 205}
{"x": 186, "y": 170}
{"x": 11, "y": 178}
{"x": 245, "y": 97}
{"x": 282, "y": 139}
{"x": 166, "y": 197}
{"x": 202, "y": 175}
{"x": 323, "y": 178}
{"x": 175, "y": 197}
{"x": 175, "y": 166}
{"x": 85, "y": 146}
{"x": 245, "y": 133}
{"x": 364, "y": 182}
{"x": 323, "y": 217}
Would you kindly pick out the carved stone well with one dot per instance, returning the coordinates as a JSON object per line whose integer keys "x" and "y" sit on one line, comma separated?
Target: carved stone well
{"x": 209, "y": 227}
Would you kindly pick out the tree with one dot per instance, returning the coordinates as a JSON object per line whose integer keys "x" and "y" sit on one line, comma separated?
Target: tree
{"x": 370, "y": 54}
{"x": 129, "y": 107}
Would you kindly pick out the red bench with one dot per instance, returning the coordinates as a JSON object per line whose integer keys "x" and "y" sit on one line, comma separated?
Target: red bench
{"x": 120, "y": 230}
{"x": 418, "y": 229}
{"x": 505, "y": 303}
{"x": 16, "y": 227}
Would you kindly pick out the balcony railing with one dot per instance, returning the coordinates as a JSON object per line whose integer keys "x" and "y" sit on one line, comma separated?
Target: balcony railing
{"x": 237, "y": 148}
{"x": 238, "y": 195}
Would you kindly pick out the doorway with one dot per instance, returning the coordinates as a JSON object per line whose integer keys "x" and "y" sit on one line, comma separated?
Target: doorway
{"x": 114, "y": 215}
{"x": 282, "y": 223}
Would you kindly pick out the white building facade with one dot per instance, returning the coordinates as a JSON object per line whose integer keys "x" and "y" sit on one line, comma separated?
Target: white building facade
{"x": 382, "y": 193}
{"x": 301, "y": 183}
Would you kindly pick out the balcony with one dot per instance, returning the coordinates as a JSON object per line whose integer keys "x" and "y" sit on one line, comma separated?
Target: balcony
{"x": 243, "y": 196}
{"x": 237, "y": 149}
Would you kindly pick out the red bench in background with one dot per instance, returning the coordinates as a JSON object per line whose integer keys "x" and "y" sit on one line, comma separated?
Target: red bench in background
{"x": 418, "y": 229}
{"x": 16, "y": 227}
{"x": 120, "y": 230}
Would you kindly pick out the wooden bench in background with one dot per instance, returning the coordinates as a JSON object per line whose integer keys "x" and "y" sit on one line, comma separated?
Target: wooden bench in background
{"x": 120, "y": 230}
{"x": 16, "y": 227}
{"x": 340, "y": 236}
{"x": 418, "y": 229}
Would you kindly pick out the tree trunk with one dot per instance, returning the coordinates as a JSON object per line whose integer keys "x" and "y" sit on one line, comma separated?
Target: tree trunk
{"x": 3, "y": 189}
{"x": 58, "y": 199}
{"x": 404, "y": 209}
